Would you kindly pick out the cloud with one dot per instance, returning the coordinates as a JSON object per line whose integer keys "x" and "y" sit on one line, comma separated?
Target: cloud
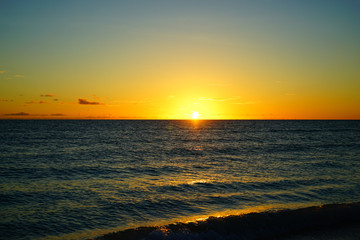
{"x": 245, "y": 103}
{"x": 31, "y": 102}
{"x": 134, "y": 102}
{"x": 34, "y": 102}
{"x": 219, "y": 99}
{"x": 231, "y": 99}
{"x": 95, "y": 97}
{"x": 24, "y": 114}
{"x": 86, "y": 102}
{"x": 17, "y": 114}
{"x": 213, "y": 99}
{"x": 6, "y": 100}
{"x": 48, "y": 95}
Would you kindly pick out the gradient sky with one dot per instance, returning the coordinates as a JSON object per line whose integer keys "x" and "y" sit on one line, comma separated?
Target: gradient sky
{"x": 152, "y": 59}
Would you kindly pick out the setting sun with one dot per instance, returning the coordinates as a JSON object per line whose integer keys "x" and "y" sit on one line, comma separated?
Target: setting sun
{"x": 176, "y": 119}
{"x": 176, "y": 59}
{"x": 195, "y": 115}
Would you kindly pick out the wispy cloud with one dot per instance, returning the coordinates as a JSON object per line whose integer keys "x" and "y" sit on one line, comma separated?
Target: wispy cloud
{"x": 17, "y": 114}
{"x": 24, "y": 114}
{"x": 6, "y": 100}
{"x": 262, "y": 116}
{"x": 131, "y": 102}
{"x": 213, "y": 99}
{"x": 83, "y": 101}
{"x": 233, "y": 100}
{"x": 219, "y": 99}
{"x": 48, "y": 95}
{"x": 95, "y": 97}
{"x": 134, "y": 102}
{"x": 30, "y": 102}
{"x": 7, "y": 76}
{"x": 36, "y": 102}
{"x": 245, "y": 103}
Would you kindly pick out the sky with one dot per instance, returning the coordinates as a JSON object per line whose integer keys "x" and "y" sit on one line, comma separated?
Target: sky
{"x": 168, "y": 59}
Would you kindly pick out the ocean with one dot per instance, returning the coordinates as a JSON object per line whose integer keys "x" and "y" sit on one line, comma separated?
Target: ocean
{"x": 80, "y": 179}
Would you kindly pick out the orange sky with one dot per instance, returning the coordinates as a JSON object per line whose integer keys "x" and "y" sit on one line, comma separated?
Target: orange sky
{"x": 167, "y": 60}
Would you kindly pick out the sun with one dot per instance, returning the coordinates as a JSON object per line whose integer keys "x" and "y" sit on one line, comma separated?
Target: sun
{"x": 195, "y": 115}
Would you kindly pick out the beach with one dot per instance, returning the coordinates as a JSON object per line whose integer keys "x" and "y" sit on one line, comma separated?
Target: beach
{"x": 336, "y": 221}
{"x": 351, "y": 232}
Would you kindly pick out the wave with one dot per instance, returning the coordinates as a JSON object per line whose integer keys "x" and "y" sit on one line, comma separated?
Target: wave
{"x": 251, "y": 226}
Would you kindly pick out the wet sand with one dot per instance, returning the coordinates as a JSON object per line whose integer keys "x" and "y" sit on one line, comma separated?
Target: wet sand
{"x": 345, "y": 232}
{"x": 327, "y": 222}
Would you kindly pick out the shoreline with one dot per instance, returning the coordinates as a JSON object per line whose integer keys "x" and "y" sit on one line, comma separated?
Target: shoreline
{"x": 339, "y": 221}
{"x": 341, "y": 232}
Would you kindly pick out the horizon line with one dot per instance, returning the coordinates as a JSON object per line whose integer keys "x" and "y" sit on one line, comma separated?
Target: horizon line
{"x": 188, "y": 119}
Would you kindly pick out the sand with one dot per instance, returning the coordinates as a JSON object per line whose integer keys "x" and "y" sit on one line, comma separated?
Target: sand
{"x": 348, "y": 232}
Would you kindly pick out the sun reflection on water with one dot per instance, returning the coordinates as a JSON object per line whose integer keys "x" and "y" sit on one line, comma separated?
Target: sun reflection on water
{"x": 198, "y": 181}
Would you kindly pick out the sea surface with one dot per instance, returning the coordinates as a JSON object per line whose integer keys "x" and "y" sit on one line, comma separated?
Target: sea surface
{"x": 78, "y": 179}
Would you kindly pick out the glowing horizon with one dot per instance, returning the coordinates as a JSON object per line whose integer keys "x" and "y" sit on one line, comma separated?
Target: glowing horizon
{"x": 167, "y": 60}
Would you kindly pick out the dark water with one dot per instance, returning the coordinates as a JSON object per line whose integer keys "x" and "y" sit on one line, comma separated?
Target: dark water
{"x": 79, "y": 179}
